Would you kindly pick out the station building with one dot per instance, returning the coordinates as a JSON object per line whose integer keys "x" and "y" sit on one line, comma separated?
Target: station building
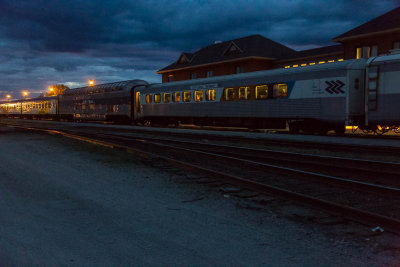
{"x": 256, "y": 52}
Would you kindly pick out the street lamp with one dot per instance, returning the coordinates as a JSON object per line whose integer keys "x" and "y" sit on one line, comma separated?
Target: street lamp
{"x": 51, "y": 89}
{"x": 8, "y": 97}
{"x": 25, "y": 93}
{"x": 91, "y": 82}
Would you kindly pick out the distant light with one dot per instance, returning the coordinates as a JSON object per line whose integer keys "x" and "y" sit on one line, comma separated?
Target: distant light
{"x": 303, "y": 65}
{"x": 312, "y": 63}
{"x": 8, "y": 96}
{"x": 330, "y": 61}
{"x": 25, "y": 93}
{"x": 295, "y": 66}
{"x": 340, "y": 59}
{"x": 51, "y": 89}
{"x": 287, "y": 67}
{"x": 321, "y": 62}
{"x": 91, "y": 82}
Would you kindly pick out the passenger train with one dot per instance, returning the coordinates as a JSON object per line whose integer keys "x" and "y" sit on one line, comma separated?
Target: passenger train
{"x": 312, "y": 99}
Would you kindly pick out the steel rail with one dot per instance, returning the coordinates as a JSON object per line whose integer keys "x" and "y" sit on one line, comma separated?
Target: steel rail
{"x": 363, "y": 217}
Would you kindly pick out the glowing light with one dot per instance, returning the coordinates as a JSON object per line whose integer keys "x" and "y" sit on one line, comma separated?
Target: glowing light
{"x": 8, "y": 96}
{"x": 91, "y": 82}
{"x": 25, "y": 93}
{"x": 303, "y": 65}
{"x": 312, "y": 63}
{"x": 330, "y": 61}
{"x": 340, "y": 59}
{"x": 51, "y": 89}
{"x": 287, "y": 67}
{"x": 321, "y": 62}
{"x": 295, "y": 66}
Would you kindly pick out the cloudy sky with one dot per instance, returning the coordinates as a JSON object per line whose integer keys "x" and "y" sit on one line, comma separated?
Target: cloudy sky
{"x": 43, "y": 42}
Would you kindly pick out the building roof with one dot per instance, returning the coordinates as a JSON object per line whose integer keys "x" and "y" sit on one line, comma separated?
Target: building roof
{"x": 320, "y": 51}
{"x": 385, "y": 22}
{"x": 250, "y": 46}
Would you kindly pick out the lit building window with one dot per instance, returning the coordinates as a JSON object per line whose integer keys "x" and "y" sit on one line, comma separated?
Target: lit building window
{"x": 358, "y": 52}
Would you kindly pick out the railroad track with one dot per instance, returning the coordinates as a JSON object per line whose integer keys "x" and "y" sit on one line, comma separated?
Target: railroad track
{"x": 306, "y": 192}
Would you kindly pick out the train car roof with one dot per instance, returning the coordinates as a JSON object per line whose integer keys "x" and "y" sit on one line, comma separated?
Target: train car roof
{"x": 29, "y": 99}
{"x": 106, "y": 87}
{"x": 340, "y": 65}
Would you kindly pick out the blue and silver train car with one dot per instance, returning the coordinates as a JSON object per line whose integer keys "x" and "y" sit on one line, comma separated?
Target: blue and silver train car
{"x": 103, "y": 102}
{"x": 313, "y": 99}
{"x": 382, "y": 91}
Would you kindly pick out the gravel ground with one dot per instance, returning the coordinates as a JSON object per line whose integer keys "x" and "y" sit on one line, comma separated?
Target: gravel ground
{"x": 63, "y": 202}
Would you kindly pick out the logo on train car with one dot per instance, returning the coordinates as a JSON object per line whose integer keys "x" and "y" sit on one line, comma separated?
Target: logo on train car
{"x": 334, "y": 87}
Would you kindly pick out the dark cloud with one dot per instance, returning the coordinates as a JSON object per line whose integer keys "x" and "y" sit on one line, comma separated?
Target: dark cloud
{"x": 44, "y": 41}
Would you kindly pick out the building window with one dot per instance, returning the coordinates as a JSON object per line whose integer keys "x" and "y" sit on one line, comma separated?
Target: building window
{"x": 170, "y": 78}
{"x": 193, "y": 76}
{"x": 374, "y": 51}
{"x": 239, "y": 69}
{"x": 210, "y": 73}
{"x": 366, "y": 51}
{"x": 396, "y": 45}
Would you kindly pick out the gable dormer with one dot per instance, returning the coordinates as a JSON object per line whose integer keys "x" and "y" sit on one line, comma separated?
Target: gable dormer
{"x": 232, "y": 49}
{"x": 184, "y": 58}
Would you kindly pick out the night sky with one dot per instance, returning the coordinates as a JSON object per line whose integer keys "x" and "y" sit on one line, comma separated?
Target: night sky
{"x": 43, "y": 42}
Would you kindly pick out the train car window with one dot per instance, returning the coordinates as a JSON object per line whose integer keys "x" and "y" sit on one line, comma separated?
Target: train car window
{"x": 157, "y": 98}
{"x": 244, "y": 93}
{"x": 198, "y": 96}
{"x": 148, "y": 98}
{"x": 211, "y": 95}
{"x": 176, "y": 97}
{"x": 167, "y": 97}
{"x": 280, "y": 90}
{"x": 231, "y": 94}
{"x": 187, "y": 96}
{"x": 261, "y": 91}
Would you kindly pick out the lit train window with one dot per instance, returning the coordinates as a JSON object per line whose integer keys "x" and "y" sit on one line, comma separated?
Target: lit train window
{"x": 148, "y": 98}
{"x": 187, "y": 96}
{"x": 262, "y": 92}
{"x": 167, "y": 97}
{"x": 231, "y": 94}
{"x": 176, "y": 97}
{"x": 211, "y": 95}
{"x": 157, "y": 98}
{"x": 198, "y": 96}
{"x": 280, "y": 90}
{"x": 244, "y": 93}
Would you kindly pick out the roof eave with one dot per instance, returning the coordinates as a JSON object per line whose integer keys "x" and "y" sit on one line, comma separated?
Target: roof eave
{"x": 342, "y": 39}
{"x": 308, "y": 57}
{"x": 214, "y": 63}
